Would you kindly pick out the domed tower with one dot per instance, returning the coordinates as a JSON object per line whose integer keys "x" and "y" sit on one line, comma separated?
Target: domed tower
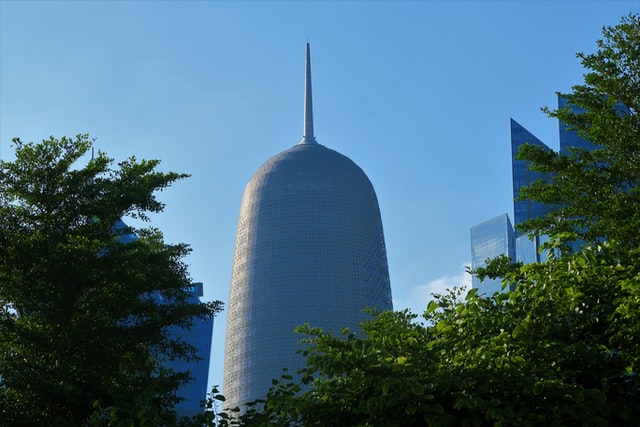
{"x": 309, "y": 248}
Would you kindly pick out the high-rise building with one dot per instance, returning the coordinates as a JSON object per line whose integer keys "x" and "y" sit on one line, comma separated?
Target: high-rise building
{"x": 524, "y": 248}
{"x": 523, "y": 176}
{"x": 568, "y": 137}
{"x": 309, "y": 249}
{"x": 488, "y": 240}
{"x": 199, "y": 335}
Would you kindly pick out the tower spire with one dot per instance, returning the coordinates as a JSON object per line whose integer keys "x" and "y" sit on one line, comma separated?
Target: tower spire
{"x": 307, "y": 133}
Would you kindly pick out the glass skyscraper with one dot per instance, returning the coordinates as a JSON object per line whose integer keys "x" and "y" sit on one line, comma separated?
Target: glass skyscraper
{"x": 309, "y": 249}
{"x": 570, "y": 138}
{"x": 488, "y": 240}
{"x": 199, "y": 336}
{"x": 523, "y": 176}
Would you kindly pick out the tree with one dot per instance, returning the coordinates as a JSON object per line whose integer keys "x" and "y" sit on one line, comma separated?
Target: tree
{"x": 561, "y": 349}
{"x": 598, "y": 189}
{"x": 86, "y": 308}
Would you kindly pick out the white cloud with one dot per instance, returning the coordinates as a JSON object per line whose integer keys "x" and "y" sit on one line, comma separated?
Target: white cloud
{"x": 417, "y": 298}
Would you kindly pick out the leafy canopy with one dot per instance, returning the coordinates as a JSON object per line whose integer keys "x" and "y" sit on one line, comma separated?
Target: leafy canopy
{"x": 87, "y": 301}
{"x": 599, "y": 189}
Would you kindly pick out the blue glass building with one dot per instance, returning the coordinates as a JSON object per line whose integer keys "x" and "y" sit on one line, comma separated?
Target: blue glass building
{"x": 488, "y": 240}
{"x": 199, "y": 335}
{"x": 523, "y": 176}
{"x": 570, "y": 138}
{"x": 309, "y": 249}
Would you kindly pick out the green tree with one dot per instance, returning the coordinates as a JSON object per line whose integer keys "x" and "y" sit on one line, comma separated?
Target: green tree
{"x": 86, "y": 308}
{"x": 561, "y": 349}
{"x": 598, "y": 189}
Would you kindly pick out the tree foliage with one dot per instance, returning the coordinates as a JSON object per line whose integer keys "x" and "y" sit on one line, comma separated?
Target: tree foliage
{"x": 598, "y": 189}
{"x": 561, "y": 349}
{"x": 86, "y": 308}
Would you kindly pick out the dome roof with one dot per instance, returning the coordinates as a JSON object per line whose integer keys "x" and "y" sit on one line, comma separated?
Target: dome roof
{"x": 315, "y": 211}
{"x": 310, "y": 163}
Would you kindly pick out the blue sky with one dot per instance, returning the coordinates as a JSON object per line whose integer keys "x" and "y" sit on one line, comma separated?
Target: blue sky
{"x": 419, "y": 94}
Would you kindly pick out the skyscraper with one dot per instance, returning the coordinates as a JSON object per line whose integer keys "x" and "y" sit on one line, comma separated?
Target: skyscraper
{"x": 309, "y": 249}
{"x": 523, "y": 176}
{"x": 199, "y": 335}
{"x": 568, "y": 137}
{"x": 488, "y": 240}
